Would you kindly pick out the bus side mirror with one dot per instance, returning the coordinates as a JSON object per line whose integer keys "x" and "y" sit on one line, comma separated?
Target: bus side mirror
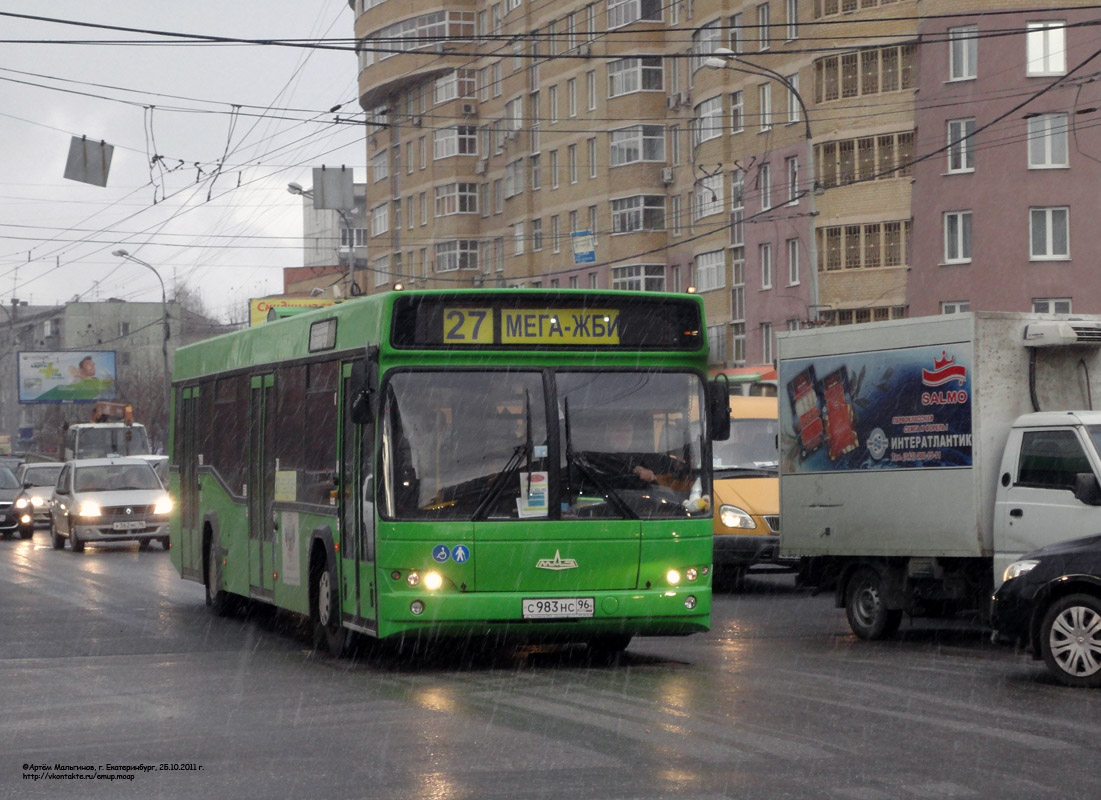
{"x": 718, "y": 402}
{"x": 364, "y": 388}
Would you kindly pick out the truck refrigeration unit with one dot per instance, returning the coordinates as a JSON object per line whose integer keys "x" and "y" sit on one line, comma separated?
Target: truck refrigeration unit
{"x": 919, "y": 458}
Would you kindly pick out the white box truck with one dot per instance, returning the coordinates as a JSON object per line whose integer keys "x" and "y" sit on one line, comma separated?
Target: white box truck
{"x": 921, "y": 457}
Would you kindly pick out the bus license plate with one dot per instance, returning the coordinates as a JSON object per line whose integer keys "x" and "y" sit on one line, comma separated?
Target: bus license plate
{"x": 129, "y": 525}
{"x": 552, "y": 607}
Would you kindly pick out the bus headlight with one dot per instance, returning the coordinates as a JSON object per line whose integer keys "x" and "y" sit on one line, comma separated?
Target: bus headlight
{"x": 413, "y": 578}
{"x": 673, "y": 577}
{"x": 433, "y": 581}
{"x": 691, "y": 573}
{"x": 734, "y": 517}
{"x": 690, "y": 602}
{"x": 417, "y": 607}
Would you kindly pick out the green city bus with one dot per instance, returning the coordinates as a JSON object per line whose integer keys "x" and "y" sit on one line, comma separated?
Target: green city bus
{"x": 520, "y": 464}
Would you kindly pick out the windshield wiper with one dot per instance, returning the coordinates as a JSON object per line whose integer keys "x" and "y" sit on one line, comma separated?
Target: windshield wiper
{"x": 574, "y": 458}
{"x": 521, "y": 455}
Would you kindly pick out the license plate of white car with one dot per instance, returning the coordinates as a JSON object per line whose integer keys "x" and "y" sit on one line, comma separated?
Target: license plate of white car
{"x": 128, "y": 525}
{"x": 552, "y": 607}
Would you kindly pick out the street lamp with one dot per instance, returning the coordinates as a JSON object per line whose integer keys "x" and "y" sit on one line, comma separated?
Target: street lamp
{"x": 353, "y": 289}
{"x": 721, "y": 58}
{"x": 164, "y": 343}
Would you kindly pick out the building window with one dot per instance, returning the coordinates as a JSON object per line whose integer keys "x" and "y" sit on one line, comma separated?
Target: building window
{"x": 1049, "y": 233}
{"x": 498, "y": 196}
{"x": 882, "y": 157}
{"x": 764, "y": 255}
{"x": 793, "y": 261}
{"x": 868, "y": 246}
{"x": 709, "y": 196}
{"x": 766, "y": 343}
{"x": 571, "y": 97}
{"x": 963, "y": 55}
{"x": 957, "y": 237}
{"x": 961, "y": 155}
{"x": 456, "y": 198}
{"x": 716, "y": 344}
{"x": 886, "y": 69}
{"x": 764, "y": 181}
{"x": 737, "y": 112}
{"x": 518, "y": 239}
{"x": 638, "y": 213}
{"x": 456, "y": 254}
{"x": 592, "y": 157}
{"x": 764, "y": 35}
{"x": 764, "y": 100}
{"x": 624, "y": 12}
{"x": 675, "y": 210}
{"x": 554, "y": 168}
{"x": 639, "y": 277}
{"x": 955, "y": 306}
{"x": 590, "y": 89}
{"x": 460, "y": 140}
{"x": 514, "y": 178}
{"x": 791, "y": 29}
{"x": 1047, "y": 48}
{"x": 629, "y": 75}
{"x": 382, "y": 270}
{"x": 537, "y": 234}
{"x": 794, "y": 110}
{"x": 637, "y": 143}
{"x": 1047, "y": 141}
{"x": 791, "y": 169}
{"x": 380, "y": 220}
{"x": 536, "y": 175}
{"x": 571, "y": 162}
{"x": 460, "y": 83}
{"x": 707, "y": 120}
{"x": 705, "y": 41}
{"x": 711, "y": 271}
{"x": 556, "y": 244}
{"x": 1051, "y": 305}
{"x": 552, "y": 98}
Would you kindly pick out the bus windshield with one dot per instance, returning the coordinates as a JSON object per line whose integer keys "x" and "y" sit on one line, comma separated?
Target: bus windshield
{"x": 475, "y": 445}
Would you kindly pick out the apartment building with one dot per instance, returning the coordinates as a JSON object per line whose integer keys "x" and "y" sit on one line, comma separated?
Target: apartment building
{"x": 618, "y": 144}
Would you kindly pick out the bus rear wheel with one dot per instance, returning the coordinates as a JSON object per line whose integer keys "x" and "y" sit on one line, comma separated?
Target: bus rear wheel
{"x": 218, "y": 600}
{"x": 327, "y": 629}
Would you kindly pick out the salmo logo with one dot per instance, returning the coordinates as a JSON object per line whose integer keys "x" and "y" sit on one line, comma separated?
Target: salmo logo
{"x": 556, "y": 563}
{"x": 945, "y": 370}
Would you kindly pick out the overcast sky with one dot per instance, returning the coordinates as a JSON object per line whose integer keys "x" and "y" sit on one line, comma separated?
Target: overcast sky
{"x": 174, "y": 100}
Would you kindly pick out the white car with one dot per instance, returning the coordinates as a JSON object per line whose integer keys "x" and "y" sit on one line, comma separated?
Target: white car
{"x": 109, "y": 500}
{"x": 39, "y": 479}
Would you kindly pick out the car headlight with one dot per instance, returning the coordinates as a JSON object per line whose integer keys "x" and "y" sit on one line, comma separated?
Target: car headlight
{"x": 22, "y": 503}
{"x": 163, "y": 506}
{"x": 734, "y": 517}
{"x": 37, "y": 501}
{"x": 88, "y": 508}
{"x": 1019, "y": 568}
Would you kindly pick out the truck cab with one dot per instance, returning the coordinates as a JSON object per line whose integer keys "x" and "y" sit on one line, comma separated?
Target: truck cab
{"x": 105, "y": 439}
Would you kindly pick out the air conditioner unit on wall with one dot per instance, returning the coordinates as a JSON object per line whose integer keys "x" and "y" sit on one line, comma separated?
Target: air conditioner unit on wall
{"x": 469, "y": 109}
{"x": 666, "y": 175}
{"x": 672, "y": 101}
{"x": 480, "y": 167}
{"x": 416, "y": 122}
{"x": 583, "y": 49}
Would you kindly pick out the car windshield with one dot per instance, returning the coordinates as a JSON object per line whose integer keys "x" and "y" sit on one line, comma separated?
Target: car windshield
{"x": 7, "y": 479}
{"x": 115, "y": 478}
{"x": 42, "y": 476}
{"x": 476, "y": 445}
{"x": 752, "y": 446}
{"x": 103, "y": 442}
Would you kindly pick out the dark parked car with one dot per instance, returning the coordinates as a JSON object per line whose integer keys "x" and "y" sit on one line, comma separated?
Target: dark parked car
{"x": 1051, "y": 601}
{"x": 16, "y": 512}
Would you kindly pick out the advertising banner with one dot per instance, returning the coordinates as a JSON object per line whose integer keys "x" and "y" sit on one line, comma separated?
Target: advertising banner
{"x": 259, "y": 307}
{"x": 72, "y": 376}
{"x": 908, "y": 408}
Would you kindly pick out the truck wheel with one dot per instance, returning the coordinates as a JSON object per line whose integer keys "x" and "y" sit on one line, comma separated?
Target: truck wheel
{"x": 1070, "y": 639}
{"x": 218, "y": 600}
{"x": 868, "y": 617}
{"x": 327, "y": 629}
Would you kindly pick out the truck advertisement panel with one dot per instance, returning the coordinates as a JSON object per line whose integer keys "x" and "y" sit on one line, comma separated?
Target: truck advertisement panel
{"x": 72, "y": 376}
{"x": 906, "y": 408}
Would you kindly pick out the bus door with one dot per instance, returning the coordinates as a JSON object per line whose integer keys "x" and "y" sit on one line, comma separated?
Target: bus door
{"x": 261, "y": 488}
{"x": 357, "y": 516}
{"x": 189, "y": 540}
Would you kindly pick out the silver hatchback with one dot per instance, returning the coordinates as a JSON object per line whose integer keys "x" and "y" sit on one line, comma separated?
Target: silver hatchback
{"x": 109, "y": 499}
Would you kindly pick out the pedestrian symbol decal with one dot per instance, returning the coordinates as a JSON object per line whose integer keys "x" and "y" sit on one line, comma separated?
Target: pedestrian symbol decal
{"x": 460, "y": 554}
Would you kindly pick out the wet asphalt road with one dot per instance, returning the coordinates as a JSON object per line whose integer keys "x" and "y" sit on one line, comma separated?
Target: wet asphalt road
{"x": 109, "y": 659}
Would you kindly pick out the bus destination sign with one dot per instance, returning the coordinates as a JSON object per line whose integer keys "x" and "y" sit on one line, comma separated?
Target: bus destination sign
{"x": 532, "y": 326}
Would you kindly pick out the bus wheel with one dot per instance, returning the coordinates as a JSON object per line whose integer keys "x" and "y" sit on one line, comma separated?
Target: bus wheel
{"x": 868, "y": 616}
{"x": 608, "y": 646}
{"x": 327, "y": 629}
{"x": 218, "y": 599}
